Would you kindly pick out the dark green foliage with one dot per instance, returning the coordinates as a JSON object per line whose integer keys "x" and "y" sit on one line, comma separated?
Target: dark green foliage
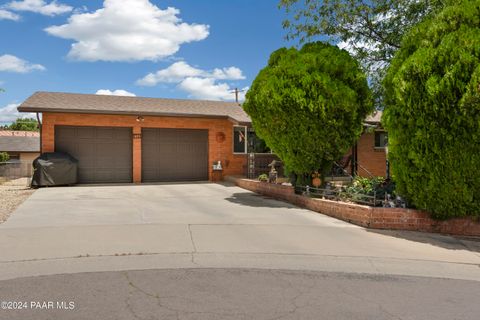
{"x": 433, "y": 113}
{"x": 308, "y": 105}
{"x": 4, "y": 157}
{"x": 374, "y": 27}
{"x": 372, "y": 30}
{"x": 24, "y": 124}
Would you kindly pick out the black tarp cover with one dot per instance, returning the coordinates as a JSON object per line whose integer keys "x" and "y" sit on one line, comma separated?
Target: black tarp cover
{"x": 54, "y": 169}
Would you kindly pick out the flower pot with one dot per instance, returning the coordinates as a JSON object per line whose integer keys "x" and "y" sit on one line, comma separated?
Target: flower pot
{"x": 316, "y": 182}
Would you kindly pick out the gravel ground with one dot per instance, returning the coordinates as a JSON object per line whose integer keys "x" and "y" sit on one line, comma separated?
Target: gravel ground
{"x": 12, "y": 194}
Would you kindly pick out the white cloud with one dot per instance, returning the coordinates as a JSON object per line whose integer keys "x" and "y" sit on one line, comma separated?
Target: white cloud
{"x": 178, "y": 71}
{"x": 198, "y": 83}
{"x": 7, "y": 15}
{"x": 118, "y": 92}
{"x": 9, "y": 113}
{"x": 39, "y": 6}
{"x": 13, "y": 64}
{"x": 174, "y": 73}
{"x": 231, "y": 73}
{"x": 209, "y": 89}
{"x": 127, "y": 30}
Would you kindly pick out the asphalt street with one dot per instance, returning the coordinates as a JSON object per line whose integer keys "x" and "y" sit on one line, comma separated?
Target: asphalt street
{"x": 239, "y": 294}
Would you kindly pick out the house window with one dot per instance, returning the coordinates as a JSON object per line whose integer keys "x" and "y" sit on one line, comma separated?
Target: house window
{"x": 239, "y": 139}
{"x": 381, "y": 139}
{"x": 256, "y": 144}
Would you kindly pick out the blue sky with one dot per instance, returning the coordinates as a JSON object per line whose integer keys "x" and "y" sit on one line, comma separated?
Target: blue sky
{"x": 198, "y": 49}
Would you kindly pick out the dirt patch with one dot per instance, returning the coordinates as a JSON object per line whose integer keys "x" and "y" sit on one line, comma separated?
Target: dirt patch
{"x": 11, "y": 197}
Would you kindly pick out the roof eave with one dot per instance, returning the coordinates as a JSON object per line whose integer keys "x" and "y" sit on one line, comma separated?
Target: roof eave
{"x": 136, "y": 113}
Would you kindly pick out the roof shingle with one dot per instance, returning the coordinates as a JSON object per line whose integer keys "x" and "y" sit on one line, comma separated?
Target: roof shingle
{"x": 19, "y": 144}
{"x": 92, "y": 103}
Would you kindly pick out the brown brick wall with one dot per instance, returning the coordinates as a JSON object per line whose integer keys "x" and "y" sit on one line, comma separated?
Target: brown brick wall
{"x": 233, "y": 164}
{"x": 369, "y": 217}
{"x": 369, "y": 158}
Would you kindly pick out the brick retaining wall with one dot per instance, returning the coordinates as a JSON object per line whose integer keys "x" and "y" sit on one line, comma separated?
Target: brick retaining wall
{"x": 365, "y": 216}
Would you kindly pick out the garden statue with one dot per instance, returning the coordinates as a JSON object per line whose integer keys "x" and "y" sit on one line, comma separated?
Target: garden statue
{"x": 273, "y": 174}
{"x": 217, "y": 166}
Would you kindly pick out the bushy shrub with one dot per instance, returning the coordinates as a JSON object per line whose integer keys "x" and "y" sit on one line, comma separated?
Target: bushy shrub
{"x": 309, "y": 105}
{"x": 433, "y": 113}
{"x": 368, "y": 190}
{"x": 366, "y": 186}
{"x": 263, "y": 177}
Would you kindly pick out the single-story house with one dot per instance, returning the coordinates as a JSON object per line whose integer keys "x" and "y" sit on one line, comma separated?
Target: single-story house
{"x": 134, "y": 139}
{"x": 20, "y": 145}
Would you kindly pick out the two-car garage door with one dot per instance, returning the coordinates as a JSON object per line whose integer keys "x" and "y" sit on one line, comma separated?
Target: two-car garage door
{"x": 105, "y": 153}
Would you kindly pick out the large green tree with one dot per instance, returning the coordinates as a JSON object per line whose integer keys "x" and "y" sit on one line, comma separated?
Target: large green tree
{"x": 371, "y": 30}
{"x": 433, "y": 112}
{"x": 24, "y": 124}
{"x": 309, "y": 104}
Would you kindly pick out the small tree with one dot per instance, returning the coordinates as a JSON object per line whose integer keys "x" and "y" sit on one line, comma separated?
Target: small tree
{"x": 4, "y": 157}
{"x": 24, "y": 124}
{"x": 309, "y": 104}
{"x": 433, "y": 113}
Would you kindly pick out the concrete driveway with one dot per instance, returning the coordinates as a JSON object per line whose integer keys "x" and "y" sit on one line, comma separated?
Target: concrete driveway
{"x": 106, "y": 228}
{"x": 177, "y": 204}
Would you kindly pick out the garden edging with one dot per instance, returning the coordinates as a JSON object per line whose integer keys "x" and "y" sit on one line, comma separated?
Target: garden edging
{"x": 365, "y": 216}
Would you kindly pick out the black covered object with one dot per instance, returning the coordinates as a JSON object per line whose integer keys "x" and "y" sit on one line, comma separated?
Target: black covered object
{"x": 54, "y": 169}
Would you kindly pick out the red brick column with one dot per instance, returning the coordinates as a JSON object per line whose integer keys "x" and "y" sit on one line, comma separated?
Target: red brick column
{"x": 137, "y": 154}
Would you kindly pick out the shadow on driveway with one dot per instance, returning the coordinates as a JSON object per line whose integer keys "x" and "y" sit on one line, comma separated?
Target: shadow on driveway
{"x": 258, "y": 201}
{"x": 437, "y": 240}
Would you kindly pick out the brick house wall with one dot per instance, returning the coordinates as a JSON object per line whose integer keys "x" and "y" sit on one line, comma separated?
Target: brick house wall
{"x": 370, "y": 159}
{"x": 233, "y": 164}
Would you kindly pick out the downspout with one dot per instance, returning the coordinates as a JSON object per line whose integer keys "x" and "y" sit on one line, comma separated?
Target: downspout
{"x": 40, "y": 127}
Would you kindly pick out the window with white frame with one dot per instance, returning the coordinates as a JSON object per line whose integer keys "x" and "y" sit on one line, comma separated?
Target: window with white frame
{"x": 239, "y": 139}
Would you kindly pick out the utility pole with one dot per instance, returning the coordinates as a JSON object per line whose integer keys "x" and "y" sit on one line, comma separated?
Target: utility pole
{"x": 236, "y": 91}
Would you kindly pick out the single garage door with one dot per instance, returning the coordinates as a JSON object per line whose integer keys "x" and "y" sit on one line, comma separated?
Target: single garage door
{"x": 104, "y": 154}
{"x": 174, "y": 155}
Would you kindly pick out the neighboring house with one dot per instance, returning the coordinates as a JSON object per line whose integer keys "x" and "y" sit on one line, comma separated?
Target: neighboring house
{"x": 20, "y": 145}
{"x": 133, "y": 139}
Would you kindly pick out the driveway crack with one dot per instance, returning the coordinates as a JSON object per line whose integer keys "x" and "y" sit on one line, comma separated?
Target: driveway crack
{"x": 192, "y": 255}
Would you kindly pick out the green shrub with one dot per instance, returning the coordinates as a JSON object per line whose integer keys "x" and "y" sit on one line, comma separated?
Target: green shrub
{"x": 4, "y": 157}
{"x": 263, "y": 177}
{"x": 366, "y": 190}
{"x": 366, "y": 186}
{"x": 309, "y": 105}
{"x": 433, "y": 113}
